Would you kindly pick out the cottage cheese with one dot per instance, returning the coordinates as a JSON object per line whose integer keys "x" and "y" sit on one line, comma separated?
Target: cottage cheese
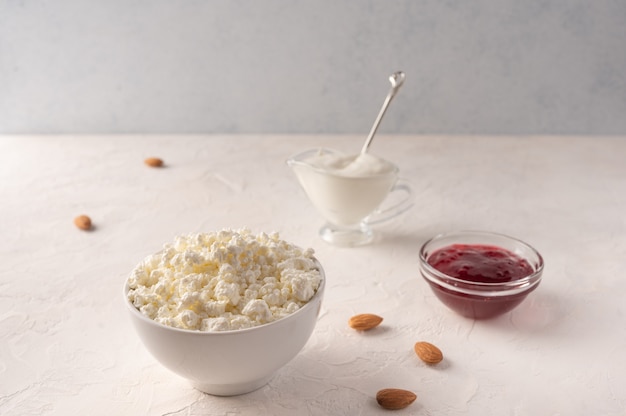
{"x": 224, "y": 281}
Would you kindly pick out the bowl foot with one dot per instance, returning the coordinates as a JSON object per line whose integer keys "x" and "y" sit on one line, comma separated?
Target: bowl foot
{"x": 347, "y": 236}
{"x": 231, "y": 389}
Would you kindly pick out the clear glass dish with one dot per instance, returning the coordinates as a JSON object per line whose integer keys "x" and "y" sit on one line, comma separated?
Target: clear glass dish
{"x": 480, "y": 299}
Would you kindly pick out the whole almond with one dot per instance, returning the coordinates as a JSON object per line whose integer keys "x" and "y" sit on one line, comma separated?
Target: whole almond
{"x": 429, "y": 353}
{"x": 154, "y": 162}
{"x": 83, "y": 222}
{"x": 365, "y": 321}
{"x": 395, "y": 399}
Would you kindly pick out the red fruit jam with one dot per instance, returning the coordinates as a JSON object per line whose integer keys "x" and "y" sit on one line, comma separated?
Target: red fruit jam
{"x": 480, "y": 263}
{"x": 482, "y": 271}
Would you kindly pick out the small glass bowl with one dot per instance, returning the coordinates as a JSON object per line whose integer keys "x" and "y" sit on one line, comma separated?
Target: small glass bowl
{"x": 480, "y": 300}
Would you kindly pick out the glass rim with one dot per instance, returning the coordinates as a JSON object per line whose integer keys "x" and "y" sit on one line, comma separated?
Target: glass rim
{"x": 455, "y": 284}
{"x": 296, "y": 160}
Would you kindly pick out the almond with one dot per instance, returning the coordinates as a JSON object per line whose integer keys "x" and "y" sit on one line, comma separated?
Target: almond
{"x": 428, "y": 352}
{"x": 365, "y": 321}
{"x": 154, "y": 162}
{"x": 394, "y": 399}
{"x": 83, "y": 222}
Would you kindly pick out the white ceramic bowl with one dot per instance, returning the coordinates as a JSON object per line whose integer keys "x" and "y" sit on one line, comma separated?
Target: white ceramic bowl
{"x": 228, "y": 363}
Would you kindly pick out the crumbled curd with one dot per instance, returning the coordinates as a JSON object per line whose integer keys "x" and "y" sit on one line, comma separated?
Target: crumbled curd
{"x": 223, "y": 281}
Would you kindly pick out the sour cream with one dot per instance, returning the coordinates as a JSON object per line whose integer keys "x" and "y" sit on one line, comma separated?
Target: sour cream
{"x": 345, "y": 189}
{"x": 350, "y": 165}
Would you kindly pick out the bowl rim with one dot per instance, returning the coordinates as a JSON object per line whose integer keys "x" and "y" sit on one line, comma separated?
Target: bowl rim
{"x": 455, "y": 284}
{"x": 309, "y": 304}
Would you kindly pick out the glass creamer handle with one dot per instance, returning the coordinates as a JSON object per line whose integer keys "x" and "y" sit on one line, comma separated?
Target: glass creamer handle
{"x": 383, "y": 213}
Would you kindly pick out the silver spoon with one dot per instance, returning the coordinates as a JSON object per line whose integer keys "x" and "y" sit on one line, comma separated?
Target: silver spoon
{"x": 396, "y": 79}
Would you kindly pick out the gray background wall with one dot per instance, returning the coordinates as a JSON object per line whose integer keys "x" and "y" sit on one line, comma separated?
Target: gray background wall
{"x": 277, "y": 66}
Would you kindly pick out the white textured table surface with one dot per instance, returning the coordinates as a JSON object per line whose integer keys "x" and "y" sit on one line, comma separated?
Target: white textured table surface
{"x": 67, "y": 347}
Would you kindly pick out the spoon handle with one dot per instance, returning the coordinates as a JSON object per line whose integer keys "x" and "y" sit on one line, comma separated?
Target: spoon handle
{"x": 396, "y": 80}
